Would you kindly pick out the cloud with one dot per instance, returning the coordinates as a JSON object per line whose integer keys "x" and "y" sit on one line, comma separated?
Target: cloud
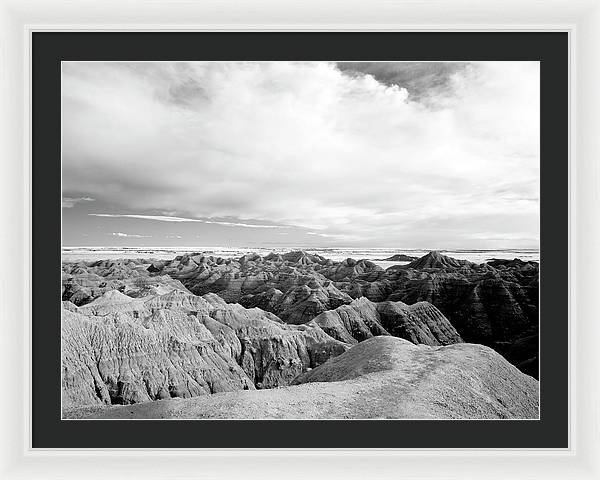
{"x": 364, "y": 154}
{"x": 162, "y": 218}
{"x": 129, "y": 235}
{"x": 158, "y": 218}
{"x": 245, "y": 225}
{"x": 69, "y": 202}
{"x": 424, "y": 81}
{"x": 330, "y": 235}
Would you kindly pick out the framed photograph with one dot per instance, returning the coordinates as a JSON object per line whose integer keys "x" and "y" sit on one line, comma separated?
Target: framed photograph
{"x": 352, "y": 232}
{"x": 314, "y": 249}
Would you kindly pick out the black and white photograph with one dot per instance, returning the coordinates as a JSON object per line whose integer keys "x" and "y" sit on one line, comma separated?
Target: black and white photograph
{"x": 300, "y": 240}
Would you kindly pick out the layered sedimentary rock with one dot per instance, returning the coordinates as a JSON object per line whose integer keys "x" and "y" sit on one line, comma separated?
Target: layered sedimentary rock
{"x": 299, "y": 304}
{"x": 289, "y": 285}
{"x": 274, "y": 353}
{"x": 166, "y": 331}
{"x": 118, "y": 349}
{"x": 82, "y": 282}
{"x": 382, "y": 377}
{"x": 495, "y": 303}
{"x": 352, "y": 323}
{"x": 421, "y": 323}
{"x": 111, "y": 360}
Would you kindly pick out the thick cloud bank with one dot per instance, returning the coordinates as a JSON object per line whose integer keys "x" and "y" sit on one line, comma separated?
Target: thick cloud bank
{"x": 339, "y": 154}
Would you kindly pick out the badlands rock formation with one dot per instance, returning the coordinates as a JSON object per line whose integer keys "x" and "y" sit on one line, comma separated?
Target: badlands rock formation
{"x": 118, "y": 349}
{"x": 82, "y": 282}
{"x": 494, "y": 304}
{"x": 420, "y": 323}
{"x": 382, "y": 377}
{"x": 139, "y": 331}
{"x": 400, "y": 257}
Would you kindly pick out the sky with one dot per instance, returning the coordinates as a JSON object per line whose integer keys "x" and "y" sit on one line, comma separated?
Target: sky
{"x": 388, "y": 154}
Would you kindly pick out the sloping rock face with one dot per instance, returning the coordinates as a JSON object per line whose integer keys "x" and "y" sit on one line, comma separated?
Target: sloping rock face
{"x": 274, "y": 353}
{"x": 107, "y": 360}
{"x": 363, "y": 319}
{"x": 382, "y": 377}
{"x": 120, "y": 350}
{"x": 352, "y": 323}
{"x": 420, "y": 323}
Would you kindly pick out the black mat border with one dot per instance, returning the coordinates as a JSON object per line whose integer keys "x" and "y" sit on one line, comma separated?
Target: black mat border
{"x": 49, "y": 48}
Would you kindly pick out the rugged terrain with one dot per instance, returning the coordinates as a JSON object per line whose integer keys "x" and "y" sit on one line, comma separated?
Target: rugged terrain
{"x": 152, "y": 332}
{"x": 117, "y": 349}
{"x": 494, "y": 303}
{"x": 383, "y": 377}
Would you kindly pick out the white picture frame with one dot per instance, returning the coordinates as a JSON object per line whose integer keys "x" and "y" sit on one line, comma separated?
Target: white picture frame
{"x": 18, "y": 19}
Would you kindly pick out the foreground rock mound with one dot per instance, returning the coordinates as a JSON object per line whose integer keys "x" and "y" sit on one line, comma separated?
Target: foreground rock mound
{"x": 382, "y": 377}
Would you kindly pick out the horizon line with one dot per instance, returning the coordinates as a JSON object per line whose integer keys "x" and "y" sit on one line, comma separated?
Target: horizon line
{"x": 305, "y": 247}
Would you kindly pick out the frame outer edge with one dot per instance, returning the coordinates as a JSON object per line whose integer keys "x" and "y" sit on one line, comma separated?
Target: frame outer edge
{"x": 14, "y": 186}
{"x": 18, "y": 461}
{"x": 587, "y": 240}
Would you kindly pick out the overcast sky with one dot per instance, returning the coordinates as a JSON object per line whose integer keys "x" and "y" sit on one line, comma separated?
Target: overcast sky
{"x": 404, "y": 155}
